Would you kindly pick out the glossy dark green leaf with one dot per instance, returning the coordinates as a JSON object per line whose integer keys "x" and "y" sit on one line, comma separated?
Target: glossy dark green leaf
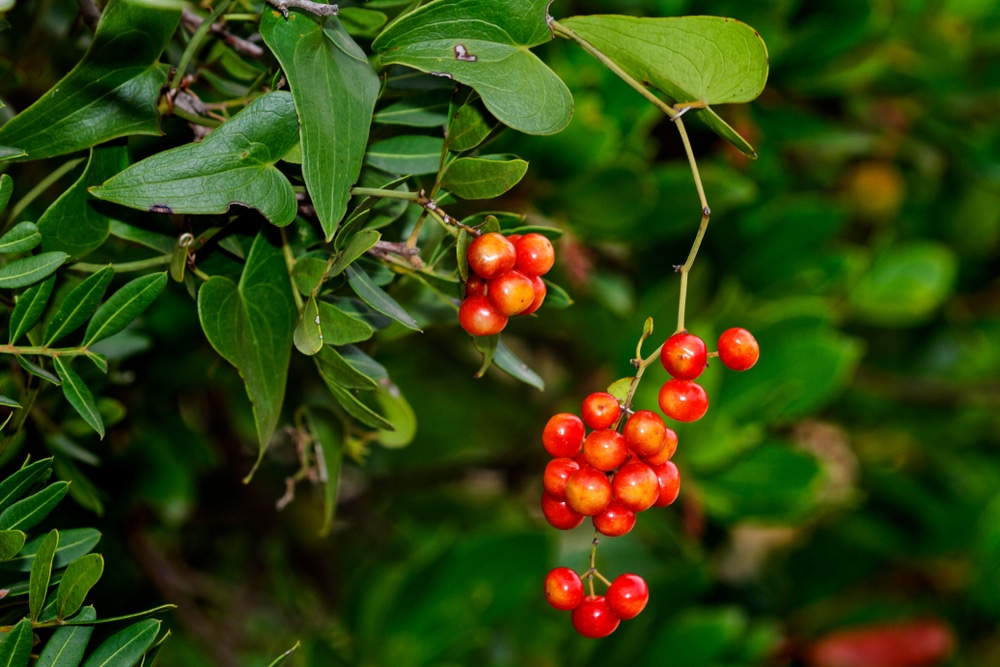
{"x": 15, "y": 648}
{"x": 905, "y": 284}
{"x": 252, "y": 325}
{"x": 125, "y": 647}
{"x": 76, "y": 223}
{"x": 335, "y": 89}
{"x": 21, "y": 238}
{"x": 80, "y": 576}
{"x": 123, "y": 307}
{"x": 6, "y": 189}
{"x": 38, "y": 371}
{"x": 484, "y": 45}
{"x": 353, "y": 406}
{"x": 68, "y": 644}
{"x": 407, "y": 154}
{"x": 29, "y": 307}
{"x": 28, "y": 270}
{"x": 468, "y": 126}
{"x": 77, "y": 306}
{"x": 111, "y": 93}
{"x": 341, "y": 328}
{"x": 328, "y": 435}
{"x": 481, "y": 178}
{"x": 233, "y": 165}
{"x": 359, "y": 244}
{"x": 376, "y": 297}
{"x": 704, "y": 59}
{"x": 510, "y": 364}
{"x": 26, "y": 513}
{"x": 78, "y": 395}
{"x": 424, "y": 110}
{"x": 73, "y": 544}
{"x": 20, "y": 482}
{"x": 397, "y": 410}
{"x": 337, "y": 369}
{"x": 308, "y": 335}
{"x": 41, "y": 572}
{"x": 11, "y": 542}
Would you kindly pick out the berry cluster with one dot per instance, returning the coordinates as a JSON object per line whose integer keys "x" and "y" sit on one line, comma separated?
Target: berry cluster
{"x": 505, "y": 279}
{"x": 596, "y": 615}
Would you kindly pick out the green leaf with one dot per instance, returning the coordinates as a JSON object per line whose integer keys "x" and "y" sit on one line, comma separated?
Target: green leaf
{"x": 252, "y": 326}
{"x": 28, "y": 512}
{"x": 28, "y": 270}
{"x": 556, "y": 296}
{"x": 233, "y": 165}
{"x": 705, "y": 59}
{"x": 329, "y": 439}
{"x": 376, "y": 297}
{"x": 510, "y": 364}
{"x": 413, "y": 154}
{"x": 41, "y": 572}
{"x": 354, "y": 407}
{"x": 112, "y": 92}
{"x": 21, "y": 238}
{"x": 905, "y": 285}
{"x": 80, "y": 576}
{"x": 79, "y": 396}
{"x": 76, "y": 223}
{"x": 29, "y": 307}
{"x": 8, "y": 402}
{"x": 468, "y": 126}
{"x": 308, "y": 335}
{"x": 481, "y": 178}
{"x": 7, "y": 188}
{"x": 487, "y": 346}
{"x": 123, "y": 307}
{"x": 284, "y": 656}
{"x": 359, "y": 244}
{"x": 20, "y": 482}
{"x": 425, "y": 110}
{"x": 67, "y": 645}
{"x": 159, "y": 242}
{"x": 335, "y": 89}
{"x": 127, "y": 617}
{"x": 78, "y": 305}
{"x": 73, "y": 544}
{"x": 125, "y": 647}
{"x": 340, "y": 328}
{"x": 11, "y": 542}
{"x": 15, "y": 649}
{"x": 335, "y": 368}
{"x": 150, "y": 657}
{"x": 360, "y": 21}
{"x": 308, "y": 272}
{"x": 398, "y": 411}
{"x": 37, "y": 370}
{"x": 485, "y": 45}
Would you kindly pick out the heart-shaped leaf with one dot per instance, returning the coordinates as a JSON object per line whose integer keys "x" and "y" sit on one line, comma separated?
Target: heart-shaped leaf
{"x": 482, "y": 178}
{"x": 233, "y": 165}
{"x": 484, "y": 44}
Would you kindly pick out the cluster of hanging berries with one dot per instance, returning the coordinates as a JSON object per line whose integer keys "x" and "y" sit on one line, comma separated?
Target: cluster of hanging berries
{"x": 505, "y": 279}
{"x": 596, "y": 615}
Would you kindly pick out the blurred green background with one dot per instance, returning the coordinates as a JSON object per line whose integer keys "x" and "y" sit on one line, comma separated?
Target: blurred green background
{"x": 851, "y": 477}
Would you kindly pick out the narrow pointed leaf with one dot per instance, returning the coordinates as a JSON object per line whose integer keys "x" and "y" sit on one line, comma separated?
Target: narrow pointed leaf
{"x": 340, "y": 328}
{"x": 26, "y": 513}
{"x": 6, "y": 189}
{"x": 159, "y": 242}
{"x": 28, "y": 270}
{"x": 329, "y": 439}
{"x": 376, "y": 297}
{"x": 396, "y": 409}
{"x": 68, "y": 644}
{"x": 308, "y": 336}
{"x": 510, "y": 364}
{"x": 15, "y": 648}
{"x": 123, "y": 307}
{"x": 354, "y": 407}
{"x": 127, "y": 617}
{"x": 359, "y": 244}
{"x": 80, "y": 576}
{"x": 21, "y": 238}
{"x": 151, "y": 656}
{"x": 11, "y": 542}
{"x": 8, "y": 402}
{"x": 112, "y": 92}
{"x": 79, "y": 396}
{"x": 479, "y": 178}
{"x": 336, "y": 369}
{"x": 19, "y": 483}
{"x": 37, "y": 371}
{"x": 425, "y": 110}
{"x": 125, "y": 647}
{"x": 78, "y": 305}
{"x": 413, "y": 154}
{"x": 73, "y": 544}
{"x": 233, "y": 165}
{"x": 41, "y": 572}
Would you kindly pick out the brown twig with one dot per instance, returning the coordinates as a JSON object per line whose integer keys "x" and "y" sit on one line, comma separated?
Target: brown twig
{"x": 317, "y": 8}
{"x": 191, "y": 21}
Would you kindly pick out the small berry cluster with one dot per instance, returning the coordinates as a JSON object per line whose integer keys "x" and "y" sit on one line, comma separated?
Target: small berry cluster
{"x": 505, "y": 279}
{"x": 596, "y": 615}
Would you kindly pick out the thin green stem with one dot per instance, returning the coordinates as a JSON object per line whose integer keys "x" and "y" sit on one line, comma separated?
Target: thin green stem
{"x": 385, "y": 194}
{"x": 286, "y": 251}
{"x": 195, "y": 43}
{"x": 706, "y": 213}
{"x": 46, "y": 351}
{"x": 194, "y": 118}
{"x": 253, "y": 18}
{"x": 123, "y": 267}
{"x": 42, "y": 186}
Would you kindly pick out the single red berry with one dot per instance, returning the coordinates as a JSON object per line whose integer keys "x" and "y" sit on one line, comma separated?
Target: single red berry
{"x": 645, "y": 432}
{"x": 475, "y": 286}
{"x": 605, "y": 449}
{"x": 627, "y": 596}
{"x": 563, "y": 589}
{"x": 559, "y": 514}
{"x": 588, "y": 491}
{"x": 540, "y": 290}
{"x": 557, "y": 472}
{"x": 614, "y": 521}
{"x": 491, "y": 255}
{"x": 636, "y": 486}
{"x": 683, "y": 400}
{"x": 666, "y": 452}
{"x": 684, "y": 355}
{"x": 669, "y": 479}
{"x": 593, "y": 618}
{"x": 738, "y": 349}
{"x": 478, "y": 317}
{"x": 535, "y": 254}
{"x": 563, "y": 435}
{"x": 600, "y": 410}
{"x": 511, "y": 293}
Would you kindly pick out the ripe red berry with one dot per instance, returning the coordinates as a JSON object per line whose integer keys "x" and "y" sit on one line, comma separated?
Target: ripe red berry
{"x": 684, "y": 356}
{"x": 588, "y": 491}
{"x": 600, "y": 410}
{"x": 669, "y": 479}
{"x": 559, "y": 514}
{"x": 563, "y": 435}
{"x": 540, "y": 290}
{"x": 636, "y": 486}
{"x": 593, "y": 618}
{"x": 627, "y": 596}
{"x": 478, "y": 317}
{"x": 615, "y": 521}
{"x": 683, "y": 400}
{"x": 475, "y": 286}
{"x": 557, "y": 472}
{"x": 666, "y": 452}
{"x": 511, "y": 293}
{"x": 605, "y": 449}
{"x": 738, "y": 349}
{"x": 491, "y": 255}
{"x": 645, "y": 433}
{"x": 563, "y": 589}
{"x": 535, "y": 254}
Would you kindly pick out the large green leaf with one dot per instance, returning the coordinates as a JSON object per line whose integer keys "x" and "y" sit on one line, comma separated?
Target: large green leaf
{"x": 905, "y": 284}
{"x": 111, "y": 93}
{"x": 78, "y": 394}
{"x": 73, "y": 544}
{"x": 28, "y": 270}
{"x": 335, "y": 89}
{"x": 233, "y": 165}
{"x": 76, "y": 223}
{"x": 78, "y": 305}
{"x": 67, "y": 645}
{"x": 26, "y": 513}
{"x": 705, "y": 59}
{"x": 41, "y": 573}
{"x": 79, "y": 577}
{"x": 252, "y": 325}
{"x": 125, "y": 647}
{"x": 15, "y": 649}
{"x": 482, "y": 178}
{"x": 124, "y": 306}
{"x": 484, "y": 44}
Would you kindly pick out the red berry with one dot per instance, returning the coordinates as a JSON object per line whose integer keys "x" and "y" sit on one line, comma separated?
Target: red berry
{"x": 615, "y": 521}
{"x": 588, "y": 491}
{"x": 563, "y": 589}
{"x": 557, "y": 472}
{"x": 605, "y": 449}
{"x": 600, "y": 410}
{"x": 491, "y": 255}
{"x": 478, "y": 317}
{"x": 666, "y": 452}
{"x": 636, "y": 486}
{"x": 540, "y": 290}
{"x": 669, "y": 479}
{"x": 627, "y": 596}
{"x": 563, "y": 435}
{"x": 683, "y": 400}
{"x": 645, "y": 433}
{"x": 738, "y": 349}
{"x": 559, "y": 514}
{"x": 593, "y": 618}
{"x": 535, "y": 254}
{"x": 475, "y": 286}
{"x": 684, "y": 356}
{"x": 511, "y": 293}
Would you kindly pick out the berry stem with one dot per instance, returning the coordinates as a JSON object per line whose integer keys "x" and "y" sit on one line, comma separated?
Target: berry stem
{"x": 706, "y": 213}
